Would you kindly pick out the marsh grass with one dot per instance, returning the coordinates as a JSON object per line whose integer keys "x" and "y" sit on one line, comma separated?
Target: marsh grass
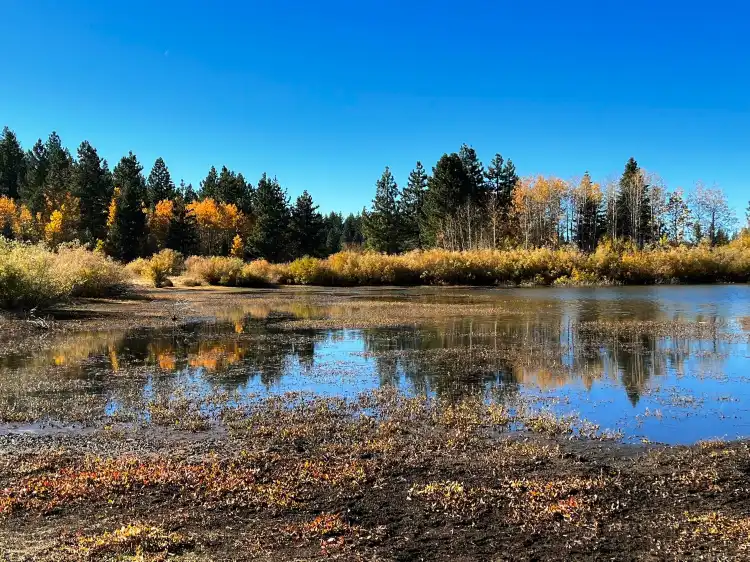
{"x": 609, "y": 264}
{"x": 34, "y": 275}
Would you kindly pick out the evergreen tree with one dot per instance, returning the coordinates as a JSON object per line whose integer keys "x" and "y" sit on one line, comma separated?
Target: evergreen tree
{"x": 92, "y": 184}
{"x": 382, "y": 225}
{"x": 127, "y": 235}
{"x": 307, "y": 228}
{"x": 12, "y": 165}
{"x": 475, "y": 172}
{"x": 159, "y": 185}
{"x": 587, "y": 220}
{"x": 447, "y": 190}
{"x": 633, "y": 205}
{"x": 269, "y": 233}
{"x": 334, "y": 227}
{"x": 747, "y": 214}
{"x": 351, "y": 235}
{"x": 37, "y": 164}
{"x": 228, "y": 189}
{"x": 210, "y": 185}
{"x": 57, "y": 183}
{"x": 187, "y": 192}
{"x": 183, "y": 228}
{"x": 501, "y": 179}
{"x": 412, "y": 203}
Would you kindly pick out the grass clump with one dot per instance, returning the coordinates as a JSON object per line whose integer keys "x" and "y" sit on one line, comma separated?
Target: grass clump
{"x": 231, "y": 272}
{"x": 34, "y": 275}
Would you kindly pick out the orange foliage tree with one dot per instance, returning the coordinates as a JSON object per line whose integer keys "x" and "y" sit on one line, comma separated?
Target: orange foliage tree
{"x": 538, "y": 204}
{"x": 218, "y": 224}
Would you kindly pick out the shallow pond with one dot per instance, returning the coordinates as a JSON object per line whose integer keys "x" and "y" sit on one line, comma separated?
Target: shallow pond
{"x": 667, "y": 364}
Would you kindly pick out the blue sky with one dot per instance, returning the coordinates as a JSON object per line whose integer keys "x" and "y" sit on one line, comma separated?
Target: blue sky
{"x": 325, "y": 94}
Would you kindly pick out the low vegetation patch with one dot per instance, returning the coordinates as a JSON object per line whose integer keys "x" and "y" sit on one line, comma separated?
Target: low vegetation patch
{"x": 609, "y": 264}
{"x": 34, "y": 275}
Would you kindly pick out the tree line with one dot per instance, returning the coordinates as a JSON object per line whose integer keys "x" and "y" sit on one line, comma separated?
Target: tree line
{"x": 464, "y": 205}
{"x": 48, "y": 194}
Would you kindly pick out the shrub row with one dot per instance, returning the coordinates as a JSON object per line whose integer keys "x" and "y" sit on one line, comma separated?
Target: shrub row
{"x": 32, "y": 274}
{"x": 607, "y": 265}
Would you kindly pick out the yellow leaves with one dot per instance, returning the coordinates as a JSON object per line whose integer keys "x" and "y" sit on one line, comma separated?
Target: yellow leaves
{"x": 112, "y": 213}
{"x": 218, "y": 223}
{"x": 16, "y": 219}
{"x": 238, "y": 248}
{"x": 134, "y": 539}
{"x": 159, "y": 221}
{"x": 63, "y": 222}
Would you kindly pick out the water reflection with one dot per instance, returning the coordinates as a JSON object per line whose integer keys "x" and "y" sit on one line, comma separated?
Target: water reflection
{"x": 536, "y": 342}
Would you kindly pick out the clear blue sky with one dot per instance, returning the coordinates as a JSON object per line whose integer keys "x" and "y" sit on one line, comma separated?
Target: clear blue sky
{"x": 325, "y": 94}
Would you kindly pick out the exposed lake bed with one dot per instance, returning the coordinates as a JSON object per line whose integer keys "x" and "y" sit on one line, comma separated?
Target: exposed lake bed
{"x": 314, "y": 411}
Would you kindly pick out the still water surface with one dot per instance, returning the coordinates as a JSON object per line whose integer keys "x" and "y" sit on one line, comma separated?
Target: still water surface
{"x": 656, "y": 381}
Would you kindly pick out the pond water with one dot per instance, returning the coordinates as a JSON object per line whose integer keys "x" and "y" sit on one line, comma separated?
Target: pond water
{"x": 667, "y": 364}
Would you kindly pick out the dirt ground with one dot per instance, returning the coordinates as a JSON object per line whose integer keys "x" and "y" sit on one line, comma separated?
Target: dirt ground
{"x": 380, "y": 477}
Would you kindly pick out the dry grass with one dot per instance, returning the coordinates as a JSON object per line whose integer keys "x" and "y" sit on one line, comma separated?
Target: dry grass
{"x": 32, "y": 275}
{"x": 610, "y": 264}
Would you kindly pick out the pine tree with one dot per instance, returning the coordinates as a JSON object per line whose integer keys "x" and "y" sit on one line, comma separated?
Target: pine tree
{"x": 382, "y": 225}
{"x": 210, "y": 185}
{"x": 475, "y": 172}
{"x": 412, "y": 203}
{"x": 269, "y": 233}
{"x": 587, "y": 219}
{"x": 501, "y": 179}
{"x": 127, "y": 235}
{"x": 92, "y": 185}
{"x": 351, "y": 232}
{"x": 187, "y": 192}
{"x": 633, "y": 207}
{"x": 57, "y": 183}
{"x": 306, "y": 228}
{"x": 159, "y": 185}
{"x": 12, "y": 165}
{"x": 447, "y": 190}
{"x": 334, "y": 226}
{"x": 183, "y": 229}
{"x": 37, "y": 164}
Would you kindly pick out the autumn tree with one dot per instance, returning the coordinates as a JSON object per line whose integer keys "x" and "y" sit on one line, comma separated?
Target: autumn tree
{"x": 12, "y": 165}
{"x": 8, "y": 217}
{"x": 713, "y": 216}
{"x": 537, "y": 205}
{"x": 127, "y": 230}
{"x": 92, "y": 184}
{"x": 382, "y": 224}
{"x": 62, "y": 225}
{"x": 159, "y": 186}
{"x": 412, "y": 208}
{"x": 268, "y": 236}
{"x": 677, "y": 216}
{"x": 159, "y": 223}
